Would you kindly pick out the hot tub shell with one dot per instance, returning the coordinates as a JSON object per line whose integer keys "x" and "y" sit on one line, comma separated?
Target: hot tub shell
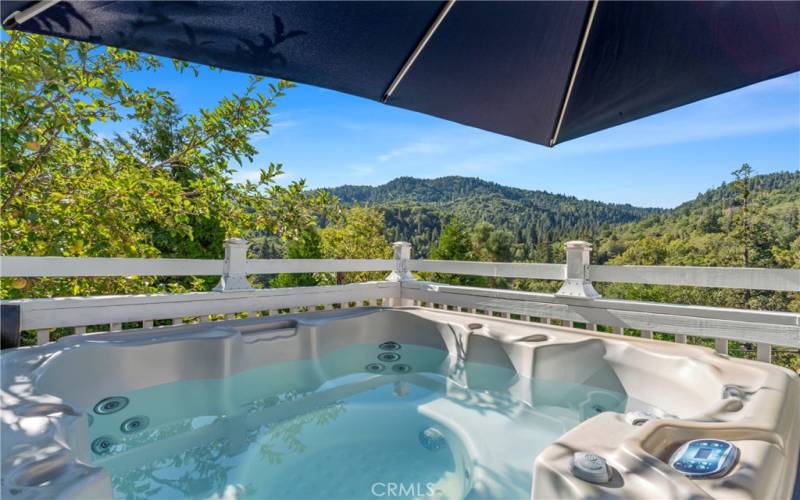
{"x": 49, "y": 391}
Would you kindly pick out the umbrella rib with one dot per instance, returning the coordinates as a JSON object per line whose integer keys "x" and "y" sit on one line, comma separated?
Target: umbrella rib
{"x": 575, "y": 68}
{"x": 417, "y": 50}
{"x": 20, "y": 16}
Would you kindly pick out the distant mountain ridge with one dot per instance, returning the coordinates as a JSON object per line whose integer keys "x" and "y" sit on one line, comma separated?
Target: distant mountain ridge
{"x": 416, "y": 209}
{"x": 783, "y": 184}
{"x": 448, "y": 189}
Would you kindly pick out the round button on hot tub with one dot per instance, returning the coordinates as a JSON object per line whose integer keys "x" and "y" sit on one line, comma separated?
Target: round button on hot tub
{"x": 590, "y": 467}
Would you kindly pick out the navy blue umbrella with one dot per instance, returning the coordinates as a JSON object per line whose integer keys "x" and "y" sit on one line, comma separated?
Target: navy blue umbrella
{"x": 543, "y": 72}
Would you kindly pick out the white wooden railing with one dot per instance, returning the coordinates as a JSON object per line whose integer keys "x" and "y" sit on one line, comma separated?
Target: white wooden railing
{"x": 576, "y": 302}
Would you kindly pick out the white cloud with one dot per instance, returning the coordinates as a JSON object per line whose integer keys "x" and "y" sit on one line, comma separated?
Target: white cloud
{"x": 421, "y": 147}
{"x": 279, "y": 123}
{"x": 354, "y": 126}
{"x": 284, "y": 124}
{"x": 258, "y": 136}
{"x": 361, "y": 170}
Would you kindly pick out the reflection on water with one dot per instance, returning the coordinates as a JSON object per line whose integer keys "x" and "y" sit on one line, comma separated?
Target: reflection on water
{"x": 330, "y": 429}
{"x": 201, "y": 470}
{"x": 283, "y": 437}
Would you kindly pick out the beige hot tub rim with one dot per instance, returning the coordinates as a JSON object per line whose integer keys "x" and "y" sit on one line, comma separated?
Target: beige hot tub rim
{"x": 42, "y": 431}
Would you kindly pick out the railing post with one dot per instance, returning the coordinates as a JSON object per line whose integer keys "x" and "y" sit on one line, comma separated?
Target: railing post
{"x": 402, "y": 254}
{"x": 577, "y": 283}
{"x": 234, "y": 275}
{"x": 764, "y": 352}
{"x": 43, "y": 336}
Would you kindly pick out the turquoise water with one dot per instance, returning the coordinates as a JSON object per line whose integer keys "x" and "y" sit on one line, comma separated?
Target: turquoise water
{"x": 347, "y": 425}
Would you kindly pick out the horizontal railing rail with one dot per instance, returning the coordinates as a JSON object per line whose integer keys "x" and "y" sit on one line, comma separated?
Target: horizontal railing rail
{"x": 751, "y": 278}
{"x": 787, "y": 280}
{"x": 31, "y": 267}
{"x": 101, "y": 310}
{"x": 275, "y": 266}
{"x": 73, "y": 267}
{"x": 767, "y": 327}
{"x": 492, "y": 269}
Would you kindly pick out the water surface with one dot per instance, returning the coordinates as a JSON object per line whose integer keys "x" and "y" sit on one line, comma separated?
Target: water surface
{"x": 355, "y": 423}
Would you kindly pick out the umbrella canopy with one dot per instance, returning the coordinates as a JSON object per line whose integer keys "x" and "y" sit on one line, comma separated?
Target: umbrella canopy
{"x": 543, "y": 72}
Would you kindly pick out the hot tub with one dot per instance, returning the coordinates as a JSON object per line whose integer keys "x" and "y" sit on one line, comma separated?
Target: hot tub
{"x": 377, "y": 402}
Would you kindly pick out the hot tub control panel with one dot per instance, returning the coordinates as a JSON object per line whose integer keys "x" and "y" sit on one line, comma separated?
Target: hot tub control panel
{"x": 704, "y": 458}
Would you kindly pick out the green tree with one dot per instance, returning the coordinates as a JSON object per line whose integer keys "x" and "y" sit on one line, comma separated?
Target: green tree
{"x": 479, "y": 238}
{"x": 454, "y": 244}
{"x": 492, "y": 245}
{"x": 308, "y": 245}
{"x": 743, "y": 226}
{"x": 500, "y": 245}
{"x": 709, "y": 222}
{"x": 752, "y": 229}
{"x": 164, "y": 188}
{"x": 356, "y": 234}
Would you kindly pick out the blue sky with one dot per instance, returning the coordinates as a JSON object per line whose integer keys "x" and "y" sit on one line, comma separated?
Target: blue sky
{"x": 329, "y": 139}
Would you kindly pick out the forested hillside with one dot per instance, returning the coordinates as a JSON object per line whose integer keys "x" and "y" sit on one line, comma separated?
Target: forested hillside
{"x": 749, "y": 222}
{"x": 417, "y": 209}
{"x": 695, "y": 232}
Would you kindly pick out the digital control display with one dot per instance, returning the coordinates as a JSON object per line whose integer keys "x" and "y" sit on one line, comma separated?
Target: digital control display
{"x": 704, "y": 458}
{"x": 703, "y": 453}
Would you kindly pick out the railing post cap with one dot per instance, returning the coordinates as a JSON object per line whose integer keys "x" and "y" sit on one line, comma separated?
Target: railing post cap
{"x": 578, "y": 244}
{"x": 236, "y": 241}
{"x": 401, "y": 244}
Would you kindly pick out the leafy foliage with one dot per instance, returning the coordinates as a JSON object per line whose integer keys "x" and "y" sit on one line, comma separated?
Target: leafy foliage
{"x": 456, "y": 243}
{"x": 162, "y": 189}
{"x": 356, "y": 233}
{"x": 750, "y": 222}
{"x": 308, "y": 245}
